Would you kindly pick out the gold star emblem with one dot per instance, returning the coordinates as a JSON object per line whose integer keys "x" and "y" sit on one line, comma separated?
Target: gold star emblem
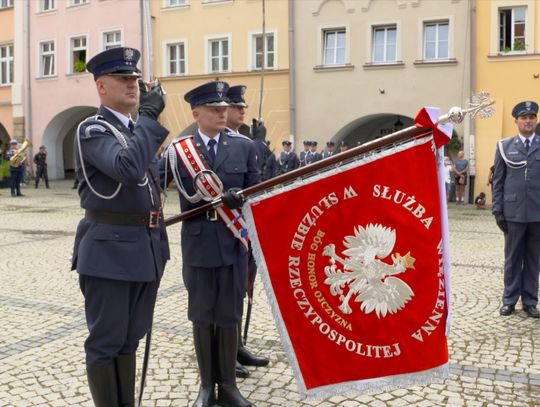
{"x": 408, "y": 260}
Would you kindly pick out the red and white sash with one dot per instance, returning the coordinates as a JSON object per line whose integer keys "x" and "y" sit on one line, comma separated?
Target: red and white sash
{"x": 209, "y": 187}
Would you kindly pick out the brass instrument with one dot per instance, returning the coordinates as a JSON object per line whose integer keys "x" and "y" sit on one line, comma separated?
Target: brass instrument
{"x": 18, "y": 158}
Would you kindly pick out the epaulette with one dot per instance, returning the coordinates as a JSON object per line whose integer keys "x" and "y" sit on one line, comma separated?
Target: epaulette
{"x": 232, "y": 133}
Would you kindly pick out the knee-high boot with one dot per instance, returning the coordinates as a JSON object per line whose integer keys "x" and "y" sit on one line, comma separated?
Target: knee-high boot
{"x": 203, "y": 338}
{"x": 103, "y": 385}
{"x": 228, "y": 393}
{"x": 245, "y": 357}
{"x": 125, "y": 370}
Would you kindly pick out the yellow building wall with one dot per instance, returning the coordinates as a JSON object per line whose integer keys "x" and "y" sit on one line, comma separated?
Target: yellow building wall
{"x": 509, "y": 78}
{"x": 238, "y": 20}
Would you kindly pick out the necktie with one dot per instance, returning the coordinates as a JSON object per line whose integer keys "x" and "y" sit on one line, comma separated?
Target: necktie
{"x": 131, "y": 126}
{"x": 527, "y": 144}
{"x": 211, "y": 150}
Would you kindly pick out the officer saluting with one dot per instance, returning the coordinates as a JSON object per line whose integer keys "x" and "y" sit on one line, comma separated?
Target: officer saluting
{"x": 121, "y": 244}
{"x": 516, "y": 206}
{"x": 215, "y": 261}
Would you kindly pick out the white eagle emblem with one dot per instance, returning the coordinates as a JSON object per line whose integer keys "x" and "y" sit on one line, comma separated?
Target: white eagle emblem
{"x": 366, "y": 275}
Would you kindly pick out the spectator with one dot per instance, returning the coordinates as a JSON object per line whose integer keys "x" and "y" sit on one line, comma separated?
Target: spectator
{"x": 40, "y": 159}
{"x": 461, "y": 168}
{"x": 480, "y": 201}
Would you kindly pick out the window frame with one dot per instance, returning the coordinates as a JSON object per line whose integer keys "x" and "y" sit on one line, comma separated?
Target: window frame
{"x": 181, "y": 3}
{"x": 71, "y": 50}
{"x": 386, "y": 27}
{"x": 78, "y": 3}
{"x": 208, "y": 53}
{"x": 252, "y": 63}
{"x": 8, "y": 62}
{"x": 5, "y": 4}
{"x": 42, "y": 8}
{"x": 166, "y": 57}
{"x": 51, "y": 55}
{"x": 511, "y": 49}
{"x": 104, "y": 33}
{"x": 437, "y": 23}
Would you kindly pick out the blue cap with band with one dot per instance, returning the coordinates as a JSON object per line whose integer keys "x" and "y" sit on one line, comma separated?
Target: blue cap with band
{"x": 120, "y": 61}
{"x": 236, "y": 95}
{"x": 211, "y": 94}
{"x": 524, "y": 108}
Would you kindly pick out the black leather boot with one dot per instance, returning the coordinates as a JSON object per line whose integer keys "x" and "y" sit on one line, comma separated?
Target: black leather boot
{"x": 228, "y": 393}
{"x": 125, "y": 369}
{"x": 245, "y": 357}
{"x": 203, "y": 338}
{"x": 103, "y": 385}
{"x": 241, "y": 371}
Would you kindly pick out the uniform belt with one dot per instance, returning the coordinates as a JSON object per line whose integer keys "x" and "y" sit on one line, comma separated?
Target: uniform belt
{"x": 150, "y": 219}
{"x": 210, "y": 215}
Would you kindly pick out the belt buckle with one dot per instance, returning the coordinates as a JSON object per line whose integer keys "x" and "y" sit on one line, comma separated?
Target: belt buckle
{"x": 211, "y": 215}
{"x": 153, "y": 219}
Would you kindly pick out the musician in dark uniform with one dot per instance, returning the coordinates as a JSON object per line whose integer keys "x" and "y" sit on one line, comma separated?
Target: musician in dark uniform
{"x": 121, "y": 244}
{"x": 16, "y": 172}
{"x": 40, "y": 159}
{"x": 516, "y": 206}
{"x": 288, "y": 160}
{"x": 303, "y": 154}
{"x": 235, "y": 119}
{"x": 215, "y": 262}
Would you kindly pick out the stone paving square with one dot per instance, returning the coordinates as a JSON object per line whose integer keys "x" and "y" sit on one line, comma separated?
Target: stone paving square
{"x": 494, "y": 360}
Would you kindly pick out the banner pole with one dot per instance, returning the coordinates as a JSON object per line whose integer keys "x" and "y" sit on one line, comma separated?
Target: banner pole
{"x": 409, "y": 132}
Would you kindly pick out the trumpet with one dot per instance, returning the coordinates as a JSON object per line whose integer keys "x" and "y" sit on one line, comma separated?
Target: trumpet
{"x": 19, "y": 157}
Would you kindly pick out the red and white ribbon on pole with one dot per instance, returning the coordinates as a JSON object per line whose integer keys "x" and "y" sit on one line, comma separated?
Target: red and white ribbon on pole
{"x": 428, "y": 117}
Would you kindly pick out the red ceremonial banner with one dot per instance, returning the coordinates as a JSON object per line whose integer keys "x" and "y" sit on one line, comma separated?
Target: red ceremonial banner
{"x": 352, "y": 264}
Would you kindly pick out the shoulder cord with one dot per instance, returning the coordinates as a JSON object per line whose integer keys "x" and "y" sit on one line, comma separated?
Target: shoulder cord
{"x": 172, "y": 158}
{"x": 511, "y": 164}
{"x": 121, "y": 139}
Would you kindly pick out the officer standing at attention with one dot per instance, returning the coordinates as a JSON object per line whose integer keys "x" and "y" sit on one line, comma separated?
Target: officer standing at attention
{"x": 314, "y": 155}
{"x": 121, "y": 244}
{"x": 303, "y": 154}
{"x": 40, "y": 159}
{"x": 215, "y": 261}
{"x": 516, "y": 206}
{"x": 288, "y": 160}
{"x": 235, "y": 118}
{"x": 330, "y": 149}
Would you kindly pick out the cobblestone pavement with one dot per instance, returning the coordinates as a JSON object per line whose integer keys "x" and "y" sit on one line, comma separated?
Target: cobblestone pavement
{"x": 495, "y": 361}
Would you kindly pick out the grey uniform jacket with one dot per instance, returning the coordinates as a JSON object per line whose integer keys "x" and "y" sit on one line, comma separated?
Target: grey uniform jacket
{"x": 129, "y": 253}
{"x": 516, "y": 191}
{"x": 211, "y": 244}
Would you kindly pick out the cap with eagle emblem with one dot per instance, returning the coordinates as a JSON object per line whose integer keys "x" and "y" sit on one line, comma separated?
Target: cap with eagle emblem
{"x": 211, "y": 94}
{"x": 120, "y": 61}
{"x": 523, "y": 108}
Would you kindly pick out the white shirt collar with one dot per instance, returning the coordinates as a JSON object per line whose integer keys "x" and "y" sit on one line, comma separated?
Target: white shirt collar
{"x": 531, "y": 138}
{"x": 206, "y": 139}
{"x": 123, "y": 118}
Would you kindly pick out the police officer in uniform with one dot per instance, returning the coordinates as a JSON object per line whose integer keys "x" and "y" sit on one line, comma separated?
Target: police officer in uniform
{"x": 214, "y": 261}
{"x": 314, "y": 155}
{"x": 121, "y": 244}
{"x": 330, "y": 149}
{"x": 40, "y": 159}
{"x": 235, "y": 119}
{"x": 516, "y": 207}
{"x": 288, "y": 160}
{"x": 303, "y": 154}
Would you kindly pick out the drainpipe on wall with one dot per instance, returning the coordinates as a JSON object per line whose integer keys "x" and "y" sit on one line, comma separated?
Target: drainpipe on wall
{"x": 146, "y": 33}
{"x": 28, "y": 116}
{"x": 292, "y": 74}
{"x": 472, "y": 85}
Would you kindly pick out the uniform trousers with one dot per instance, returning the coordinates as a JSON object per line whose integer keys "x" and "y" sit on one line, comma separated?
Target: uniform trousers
{"x": 17, "y": 175}
{"x": 521, "y": 263}
{"x": 118, "y": 315}
{"x": 41, "y": 172}
{"x": 215, "y": 295}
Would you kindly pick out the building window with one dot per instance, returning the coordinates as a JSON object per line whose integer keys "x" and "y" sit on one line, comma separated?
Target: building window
{"x": 6, "y": 64}
{"x": 47, "y": 5}
{"x": 258, "y": 51}
{"x": 512, "y": 29}
{"x": 219, "y": 55}
{"x": 47, "y": 67}
{"x": 436, "y": 40}
{"x": 384, "y": 44}
{"x": 78, "y": 2}
{"x": 334, "y": 47}
{"x": 175, "y": 3}
{"x": 78, "y": 54}
{"x": 112, "y": 39}
{"x": 6, "y": 4}
{"x": 176, "y": 58}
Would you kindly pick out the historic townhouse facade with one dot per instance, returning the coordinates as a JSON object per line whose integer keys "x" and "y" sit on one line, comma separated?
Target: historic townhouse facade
{"x": 7, "y": 68}
{"x": 196, "y": 41}
{"x": 507, "y": 55}
{"x": 364, "y": 68}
